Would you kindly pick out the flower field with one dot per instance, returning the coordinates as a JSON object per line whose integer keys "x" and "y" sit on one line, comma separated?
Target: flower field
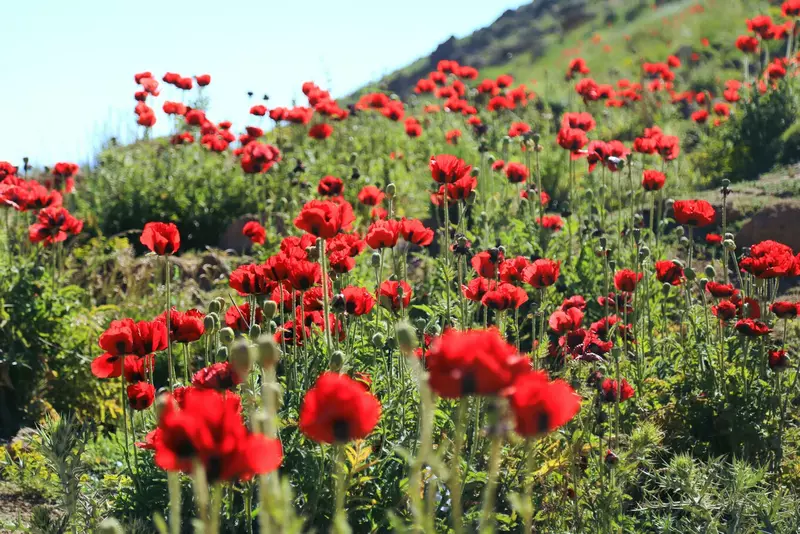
{"x": 472, "y": 308}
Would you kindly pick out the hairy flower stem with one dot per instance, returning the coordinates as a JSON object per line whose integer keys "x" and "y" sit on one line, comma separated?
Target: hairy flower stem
{"x": 427, "y": 408}
{"x": 530, "y": 465}
{"x": 455, "y": 467}
{"x": 174, "y": 486}
{"x": 491, "y": 485}
{"x": 326, "y": 305}
{"x": 446, "y": 237}
{"x": 340, "y": 514}
{"x": 171, "y": 367}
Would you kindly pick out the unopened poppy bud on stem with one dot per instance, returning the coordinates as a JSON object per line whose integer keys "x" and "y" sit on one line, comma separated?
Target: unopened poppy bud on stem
{"x": 375, "y": 260}
{"x": 222, "y": 354}
{"x": 259, "y": 422}
{"x": 472, "y": 198}
{"x": 644, "y": 252}
{"x": 209, "y": 324}
{"x": 689, "y": 273}
{"x": 729, "y": 244}
{"x": 162, "y": 400}
{"x": 270, "y": 308}
{"x": 255, "y": 332}
{"x": 703, "y": 282}
{"x": 491, "y": 159}
{"x": 391, "y": 190}
{"x": 269, "y": 353}
{"x": 377, "y": 340}
{"x": 337, "y": 361}
{"x": 241, "y": 358}
{"x": 684, "y": 241}
{"x": 213, "y": 307}
{"x": 406, "y": 337}
{"x": 710, "y": 272}
{"x": 226, "y": 335}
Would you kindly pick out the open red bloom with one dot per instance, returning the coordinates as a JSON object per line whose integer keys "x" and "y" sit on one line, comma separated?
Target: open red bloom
{"x": 338, "y": 409}
{"x": 473, "y": 362}
{"x": 389, "y": 294}
{"x": 219, "y": 376}
{"x": 320, "y": 131}
{"x": 668, "y": 146}
{"x": 446, "y": 169}
{"x": 485, "y": 263}
{"x": 161, "y": 238}
{"x": 370, "y": 195}
{"x": 778, "y": 360}
{"x": 784, "y": 309}
{"x": 580, "y": 120}
{"x": 203, "y": 79}
{"x": 357, "y": 300}
{"x": 52, "y": 225}
{"x": 518, "y": 128}
{"x": 305, "y": 274}
{"x": 539, "y": 405}
{"x": 383, "y": 234}
{"x": 669, "y": 272}
{"x": 713, "y": 239}
{"x": 770, "y": 259}
{"x": 653, "y": 180}
{"x": 185, "y": 327}
{"x": 254, "y": 232}
{"x": 504, "y": 297}
{"x": 553, "y": 223}
{"x": 238, "y": 317}
{"x": 330, "y": 186}
{"x": 477, "y": 288}
{"x": 323, "y": 218}
{"x": 694, "y": 212}
{"x": 512, "y": 270}
{"x": 752, "y": 327}
{"x": 208, "y": 428}
{"x": 251, "y": 279}
{"x": 725, "y": 310}
{"x": 460, "y": 189}
{"x": 413, "y": 231}
{"x": 563, "y": 321}
{"x": 258, "y": 110}
{"x": 258, "y": 157}
{"x": 626, "y": 280}
{"x": 542, "y": 273}
{"x": 516, "y": 172}
{"x": 141, "y": 395}
{"x": 572, "y": 139}
{"x": 611, "y": 390}
{"x": 721, "y": 290}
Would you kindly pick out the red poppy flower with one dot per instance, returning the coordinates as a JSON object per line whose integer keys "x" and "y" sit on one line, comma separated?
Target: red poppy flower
{"x": 258, "y": 110}
{"x": 551, "y": 222}
{"x": 784, "y": 309}
{"x": 305, "y": 274}
{"x": 378, "y": 213}
{"x": 645, "y": 145}
{"x": 292, "y": 333}
{"x": 238, "y": 317}
{"x": 770, "y": 259}
{"x": 512, "y": 270}
{"x": 357, "y": 300}
{"x": 477, "y": 288}
{"x": 488, "y": 87}
{"x": 563, "y": 321}
{"x": 413, "y": 231}
{"x": 669, "y": 272}
{"x": 413, "y": 127}
{"x": 473, "y": 362}
{"x": 760, "y": 24}
{"x": 668, "y": 146}
{"x": 611, "y": 389}
{"x": 461, "y": 188}
{"x": 424, "y": 85}
{"x": 203, "y": 79}
{"x": 791, "y": 8}
{"x": 350, "y": 244}
{"x": 674, "y": 62}
{"x": 452, "y": 137}
{"x": 778, "y": 360}
{"x": 542, "y": 273}
{"x": 721, "y": 290}
{"x": 578, "y": 120}
{"x": 330, "y": 186}
{"x": 141, "y": 395}
{"x": 446, "y": 169}
{"x": 279, "y": 266}
{"x": 713, "y": 239}
{"x": 575, "y": 301}
{"x": 183, "y": 138}
{"x": 539, "y": 405}
{"x": 161, "y": 238}
{"x": 572, "y": 139}
{"x": 577, "y": 66}
{"x": 752, "y": 327}
{"x": 258, "y": 157}
{"x": 388, "y": 294}
{"x": 254, "y": 232}
{"x": 383, "y": 234}
{"x": 518, "y": 128}
{"x": 516, "y": 172}
{"x": 320, "y": 131}
{"x": 219, "y": 376}
{"x": 588, "y": 89}
{"x": 505, "y": 297}
{"x": 52, "y": 225}
{"x": 338, "y": 410}
{"x": 370, "y": 195}
{"x": 725, "y": 310}
{"x": 653, "y": 180}
{"x": 485, "y": 263}
{"x": 700, "y": 116}
{"x": 498, "y": 165}
{"x": 323, "y": 218}
{"x": 185, "y": 327}
{"x": 694, "y": 212}
{"x": 627, "y": 280}
{"x": 208, "y": 429}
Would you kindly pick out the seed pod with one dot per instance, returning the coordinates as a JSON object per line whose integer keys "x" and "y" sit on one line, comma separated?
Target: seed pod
{"x": 226, "y": 335}
{"x": 255, "y": 332}
{"x": 337, "y": 361}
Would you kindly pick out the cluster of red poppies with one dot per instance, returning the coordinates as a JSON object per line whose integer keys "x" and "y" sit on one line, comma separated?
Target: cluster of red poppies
{"x": 54, "y": 222}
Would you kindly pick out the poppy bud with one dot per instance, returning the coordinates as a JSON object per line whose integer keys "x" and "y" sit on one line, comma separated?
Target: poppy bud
{"x": 220, "y": 302}
{"x": 679, "y": 231}
{"x": 710, "y": 272}
{"x": 612, "y": 264}
{"x": 312, "y": 253}
{"x": 491, "y": 159}
{"x": 506, "y": 141}
{"x": 684, "y": 241}
{"x": 665, "y": 288}
{"x": 213, "y": 307}
{"x": 644, "y": 252}
{"x": 353, "y": 158}
{"x": 209, "y": 324}
{"x": 406, "y": 337}
{"x": 536, "y": 137}
{"x": 476, "y": 172}
{"x": 269, "y": 353}
{"x": 472, "y": 198}
{"x": 377, "y": 340}
{"x": 420, "y": 324}
{"x": 726, "y": 182}
{"x": 110, "y": 526}
{"x": 391, "y": 190}
{"x": 337, "y": 361}
{"x": 241, "y": 358}
{"x": 603, "y": 189}
{"x": 226, "y": 335}
{"x": 259, "y": 422}
{"x": 729, "y": 244}
{"x": 637, "y": 235}
{"x": 270, "y": 308}
{"x": 603, "y": 242}
{"x": 611, "y": 458}
{"x": 255, "y": 331}
{"x": 338, "y": 303}
{"x": 729, "y": 236}
{"x": 689, "y": 273}
{"x": 703, "y": 283}
{"x": 273, "y": 326}
{"x": 376, "y": 259}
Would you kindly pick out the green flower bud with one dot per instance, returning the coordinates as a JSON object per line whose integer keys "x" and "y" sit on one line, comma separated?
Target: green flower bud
{"x": 391, "y": 190}
{"x": 110, "y": 526}
{"x": 222, "y": 354}
{"x": 269, "y": 353}
{"x": 375, "y": 260}
{"x": 729, "y": 236}
{"x": 221, "y": 303}
{"x": 213, "y": 307}
{"x": 476, "y": 172}
{"x": 703, "y": 281}
{"x": 644, "y": 252}
{"x": 669, "y": 203}
{"x": 377, "y": 340}
{"x": 710, "y": 272}
{"x": 612, "y": 264}
{"x": 729, "y": 244}
{"x": 337, "y": 361}
{"x": 255, "y": 331}
{"x": 684, "y": 241}
{"x": 491, "y": 159}
{"x": 226, "y": 335}
{"x": 689, "y": 273}
{"x": 679, "y": 263}
{"x": 472, "y": 198}
{"x": 536, "y": 137}
{"x": 270, "y": 308}
{"x": 726, "y": 182}
{"x": 665, "y": 288}
{"x": 241, "y": 358}
{"x": 312, "y": 252}
{"x": 679, "y": 231}
{"x": 406, "y": 337}
{"x": 258, "y": 424}
{"x": 209, "y": 324}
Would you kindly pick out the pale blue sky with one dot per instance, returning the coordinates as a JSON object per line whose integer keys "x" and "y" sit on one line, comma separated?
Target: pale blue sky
{"x": 68, "y": 65}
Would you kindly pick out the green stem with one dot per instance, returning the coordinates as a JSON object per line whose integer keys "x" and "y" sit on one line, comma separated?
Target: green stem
{"x": 455, "y": 467}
